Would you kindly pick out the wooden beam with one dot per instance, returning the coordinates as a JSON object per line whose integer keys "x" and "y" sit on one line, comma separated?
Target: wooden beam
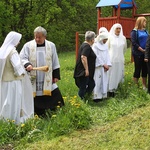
{"x": 138, "y": 15}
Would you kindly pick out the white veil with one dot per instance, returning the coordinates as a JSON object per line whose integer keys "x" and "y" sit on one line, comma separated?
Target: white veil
{"x": 113, "y": 28}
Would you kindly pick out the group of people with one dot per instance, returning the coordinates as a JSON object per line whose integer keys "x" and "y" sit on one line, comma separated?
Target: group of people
{"x": 100, "y": 64}
{"x": 99, "y": 69}
{"x": 23, "y": 90}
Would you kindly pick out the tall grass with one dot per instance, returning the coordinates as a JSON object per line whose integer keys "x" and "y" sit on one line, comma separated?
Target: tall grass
{"x": 75, "y": 115}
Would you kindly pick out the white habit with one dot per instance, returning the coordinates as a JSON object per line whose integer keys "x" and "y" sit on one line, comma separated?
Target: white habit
{"x": 101, "y": 76}
{"x": 16, "y": 101}
{"x": 117, "y": 46}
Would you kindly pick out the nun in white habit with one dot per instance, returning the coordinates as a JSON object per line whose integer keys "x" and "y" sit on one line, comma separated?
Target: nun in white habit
{"x": 16, "y": 100}
{"x": 117, "y": 46}
{"x": 100, "y": 48}
{"x": 101, "y": 30}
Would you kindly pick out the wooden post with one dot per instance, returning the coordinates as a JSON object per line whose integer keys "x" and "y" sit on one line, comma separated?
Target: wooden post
{"x": 114, "y": 12}
{"x": 118, "y": 12}
{"x": 98, "y": 16}
{"x": 77, "y": 44}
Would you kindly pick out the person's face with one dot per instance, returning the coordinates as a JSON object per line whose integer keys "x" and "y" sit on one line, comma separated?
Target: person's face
{"x": 117, "y": 31}
{"x": 144, "y": 24}
{"x": 17, "y": 44}
{"x": 104, "y": 41}
{"x": 39, "y": 38}
{"x": 91, "y": 42}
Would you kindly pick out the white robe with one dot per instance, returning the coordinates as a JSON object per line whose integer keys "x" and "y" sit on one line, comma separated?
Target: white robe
{"x": 16, "y": 101}
{"x": 25, "y": 55}
{"x": 117, "y": 47}
{"x": 101, "y": 76}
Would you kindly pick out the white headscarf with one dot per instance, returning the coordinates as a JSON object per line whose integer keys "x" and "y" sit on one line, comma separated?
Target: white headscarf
{"x": 102, "y": 29}
{"x": 102, "y": 36}
{"x": 11, "y": 40}
{"x": 99, "y": 43}
{"x": 113, "y": 28}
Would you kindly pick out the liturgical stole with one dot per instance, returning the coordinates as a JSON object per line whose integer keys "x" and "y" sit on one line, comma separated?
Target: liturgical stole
{"x": 47, "y": 87}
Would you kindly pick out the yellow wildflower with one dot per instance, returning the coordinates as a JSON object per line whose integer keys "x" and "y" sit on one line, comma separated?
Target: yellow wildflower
{"x": 75, "y": 96}
{"x": 22, "y": 125}
{"x": 36, "y": 116}
{"x": 58, "y": 106}
{"x": 8, "y": 120}
{"x": 53, "y": 116}
{"x": 64, "y": 97}
{"x": 77, "y": 105}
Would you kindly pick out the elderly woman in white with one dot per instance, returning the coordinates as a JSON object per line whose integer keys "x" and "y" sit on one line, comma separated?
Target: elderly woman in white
{"x": 100, "y": 48}
{"x": 117, "y": 46}
{"x": 16, "y": 100}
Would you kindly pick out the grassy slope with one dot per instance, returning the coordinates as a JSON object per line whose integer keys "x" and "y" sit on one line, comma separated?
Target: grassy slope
{"x": 118, "y": 123}
{"x": 130, "y": 132}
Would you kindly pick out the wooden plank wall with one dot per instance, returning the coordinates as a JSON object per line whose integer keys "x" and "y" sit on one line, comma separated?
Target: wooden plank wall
{"x": 127, "y": 24}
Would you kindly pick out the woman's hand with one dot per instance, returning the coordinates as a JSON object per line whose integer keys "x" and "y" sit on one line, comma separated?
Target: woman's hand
{"x": 55, "y": 80}
{"x": 106, "y": 67}
{"x": 146, "y": 60}
{"x": 86, "y": 72}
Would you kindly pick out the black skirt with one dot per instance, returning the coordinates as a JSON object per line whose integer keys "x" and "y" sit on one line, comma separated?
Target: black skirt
{"x": 42, "y": 103}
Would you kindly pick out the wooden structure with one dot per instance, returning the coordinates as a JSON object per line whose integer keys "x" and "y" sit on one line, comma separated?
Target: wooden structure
{"x": 117, "y": 6}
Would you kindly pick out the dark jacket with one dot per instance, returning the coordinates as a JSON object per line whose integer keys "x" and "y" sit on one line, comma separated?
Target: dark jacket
{"x": 147, "y": 49}
{"x": 135, "y": 43}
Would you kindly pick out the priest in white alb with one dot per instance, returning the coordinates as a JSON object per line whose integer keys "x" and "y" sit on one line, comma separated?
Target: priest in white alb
{"x": 37, "y": 53}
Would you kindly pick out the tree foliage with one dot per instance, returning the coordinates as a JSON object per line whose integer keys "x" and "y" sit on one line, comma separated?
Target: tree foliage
{"x": 61, "y": 18}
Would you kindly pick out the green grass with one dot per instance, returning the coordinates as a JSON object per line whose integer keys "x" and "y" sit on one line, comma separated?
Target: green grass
{"x": 120, "y": 123}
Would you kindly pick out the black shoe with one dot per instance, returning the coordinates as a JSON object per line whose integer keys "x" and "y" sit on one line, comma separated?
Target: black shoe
{"x": 97, "y": 100}
{"x": 111, "y": 94}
